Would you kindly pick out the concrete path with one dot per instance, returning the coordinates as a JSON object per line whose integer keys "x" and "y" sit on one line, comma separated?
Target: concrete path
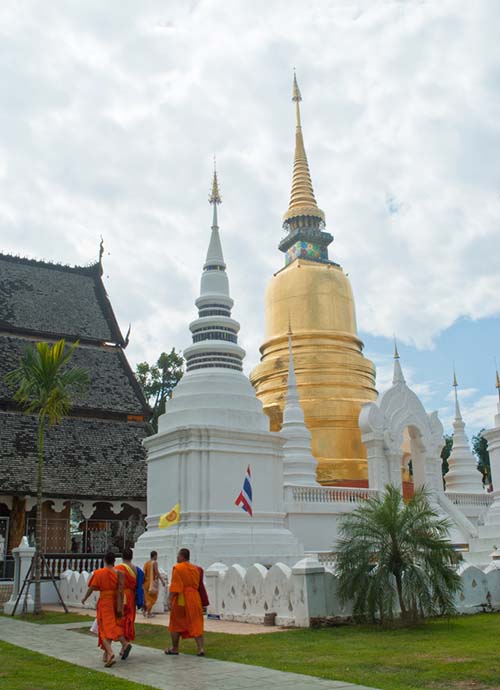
{"x": 209, "y": 624}
{"x": 148, "y": 666}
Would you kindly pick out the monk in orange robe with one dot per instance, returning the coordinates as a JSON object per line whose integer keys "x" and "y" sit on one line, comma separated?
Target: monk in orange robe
{"x": 109, "y": 583}
{"x": 186, "y": 611}
{"x": 152, "y": 579}
{"x": 127, "y": 623}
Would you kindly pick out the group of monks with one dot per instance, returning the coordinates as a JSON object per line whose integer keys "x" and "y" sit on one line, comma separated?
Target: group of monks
{"x": 124, "y": 588}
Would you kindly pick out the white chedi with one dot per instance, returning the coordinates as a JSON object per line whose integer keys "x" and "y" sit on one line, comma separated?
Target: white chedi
{"x": 299, "y": 465}
{"x": 463, "y": 475}
{"x": 214, "y": 428}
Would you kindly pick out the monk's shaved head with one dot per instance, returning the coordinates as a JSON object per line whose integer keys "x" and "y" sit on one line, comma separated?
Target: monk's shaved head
{"x": 183, "y": 555}
{"x": 110, "y": 558}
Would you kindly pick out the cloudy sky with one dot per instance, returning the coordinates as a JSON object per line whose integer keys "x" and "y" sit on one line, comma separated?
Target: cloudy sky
{"x": 112, "y": 111}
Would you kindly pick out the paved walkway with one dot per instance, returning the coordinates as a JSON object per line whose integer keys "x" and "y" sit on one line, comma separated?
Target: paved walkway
{"x": 151, "y": 667}
{"x": 210, "y": 625}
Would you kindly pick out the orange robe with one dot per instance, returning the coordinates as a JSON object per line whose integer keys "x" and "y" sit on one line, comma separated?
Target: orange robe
{"x": 186, "y": 614}
{"x": 150, "y": 598}
{"x": 127, "y": 623}
{"x": 105, "y": 581}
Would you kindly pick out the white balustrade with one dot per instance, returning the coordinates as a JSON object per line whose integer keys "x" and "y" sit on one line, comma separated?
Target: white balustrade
{"x": 328, "y": 494}
{"x": 470, "y": 499}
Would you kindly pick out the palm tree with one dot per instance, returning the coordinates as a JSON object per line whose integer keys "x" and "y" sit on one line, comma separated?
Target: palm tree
{"x": 45, "y": 387}
{"x": 392, "y": 551}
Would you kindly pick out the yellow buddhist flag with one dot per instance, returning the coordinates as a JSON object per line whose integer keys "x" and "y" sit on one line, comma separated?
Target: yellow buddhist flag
{"x": 171, "y": 518}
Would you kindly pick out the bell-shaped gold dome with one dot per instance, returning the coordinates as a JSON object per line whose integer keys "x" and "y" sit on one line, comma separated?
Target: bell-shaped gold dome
{"x": 314, "y": 296}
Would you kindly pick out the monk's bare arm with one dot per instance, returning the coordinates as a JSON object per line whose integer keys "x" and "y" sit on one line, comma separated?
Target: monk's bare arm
{"x": 88, "y": 593}
{"x": 156, "y": 573}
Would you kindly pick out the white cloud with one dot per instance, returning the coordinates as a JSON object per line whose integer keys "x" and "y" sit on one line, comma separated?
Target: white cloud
{"x": 111, "y": 114}
{"x": 385, "y": 370}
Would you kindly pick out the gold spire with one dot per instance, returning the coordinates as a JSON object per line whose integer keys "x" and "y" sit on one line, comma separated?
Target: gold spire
{"x": 396, "y": 353}
{"x": 497, "y": 384}
{"x": 454, "y": 384}
{"x": 302, "y": 200}
{"x": 214, "y": 197}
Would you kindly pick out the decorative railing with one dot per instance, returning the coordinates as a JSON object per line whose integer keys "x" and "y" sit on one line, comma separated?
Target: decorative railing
{"x": 79, "y": 562}
{"x": 328, "y": 494}
{"x": 470, "y": 499}
{"x": 327, "y": 557}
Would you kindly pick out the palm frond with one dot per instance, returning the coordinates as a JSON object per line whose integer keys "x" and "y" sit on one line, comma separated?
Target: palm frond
{"x": 385, "y": 541}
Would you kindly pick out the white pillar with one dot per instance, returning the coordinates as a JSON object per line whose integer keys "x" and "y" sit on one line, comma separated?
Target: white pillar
{"x": 23, "y": 555}
{"x": 493, "y": 438}
{"x": 396, "y": 476}
{"x": 309, "y": 591}
{"x": 371, "y": 423}
{"x": 213, "y": 577}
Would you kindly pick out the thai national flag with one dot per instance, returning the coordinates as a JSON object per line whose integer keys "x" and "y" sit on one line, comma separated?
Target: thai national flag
{"x": 245, "y": 498}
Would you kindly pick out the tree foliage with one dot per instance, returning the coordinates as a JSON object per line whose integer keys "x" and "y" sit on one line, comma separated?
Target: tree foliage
{"x": 159, "y": 380}
{"x": 44, "y": 386}
{"x": 445, "y": 453}
{"x": 480, "y": 448}
{"x": 391, "y": 553}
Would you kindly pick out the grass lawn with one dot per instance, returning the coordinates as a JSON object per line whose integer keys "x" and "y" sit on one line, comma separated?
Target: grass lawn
{"x": 21, "y": 669}
{"x": 459, "y": 654}
{"x": 52, "y": 617}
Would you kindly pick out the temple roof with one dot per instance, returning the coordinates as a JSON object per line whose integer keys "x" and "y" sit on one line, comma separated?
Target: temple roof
{"x": 55, "y": 301}
{"x": 113, "y": 387}
{"x": 84, "y": 458}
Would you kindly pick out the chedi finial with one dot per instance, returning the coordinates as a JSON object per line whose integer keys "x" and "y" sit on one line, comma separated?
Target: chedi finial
{"x": 215, "y": 197}
{"x": 302, "y": 199}
{"x": 296, "y": 96}
{"x": 396, "y": 353}
{"x": 458, "y": 413}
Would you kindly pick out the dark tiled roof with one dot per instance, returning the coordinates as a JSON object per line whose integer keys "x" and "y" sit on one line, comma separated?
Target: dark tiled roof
{"x": 84, "y": 458}
{"x": 54, "y": 300}
{"x": 112, "y": 387}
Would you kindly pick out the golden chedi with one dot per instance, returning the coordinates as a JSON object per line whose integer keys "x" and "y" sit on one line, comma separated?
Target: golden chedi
{"x": 313, "y": 295}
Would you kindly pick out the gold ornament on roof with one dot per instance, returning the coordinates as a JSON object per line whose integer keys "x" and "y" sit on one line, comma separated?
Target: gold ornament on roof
{"x": 302, "y": 199}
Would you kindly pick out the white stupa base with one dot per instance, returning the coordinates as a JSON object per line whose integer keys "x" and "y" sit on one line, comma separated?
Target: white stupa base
{"x": 492, "y": 519}
{"x": 464, "y": 480}
{"x": 245, "y": 544}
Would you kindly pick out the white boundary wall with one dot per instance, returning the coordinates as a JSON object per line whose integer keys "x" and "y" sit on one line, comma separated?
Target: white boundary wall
{"x": 73, "y": 586}
{"x": 307, "y": 590}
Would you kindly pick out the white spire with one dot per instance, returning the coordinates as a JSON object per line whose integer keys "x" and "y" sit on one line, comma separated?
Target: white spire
{"x": 458, "y": 413}
{"x": 215, "y": 257}
{"x": 397, "y": 376}
{"x": 215, "y": 333}
{"x": 299, "y": 465}
{"x": 214, "y": 253}
{"x": 463, "y": 474}
{"x": 292, "y": 396}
